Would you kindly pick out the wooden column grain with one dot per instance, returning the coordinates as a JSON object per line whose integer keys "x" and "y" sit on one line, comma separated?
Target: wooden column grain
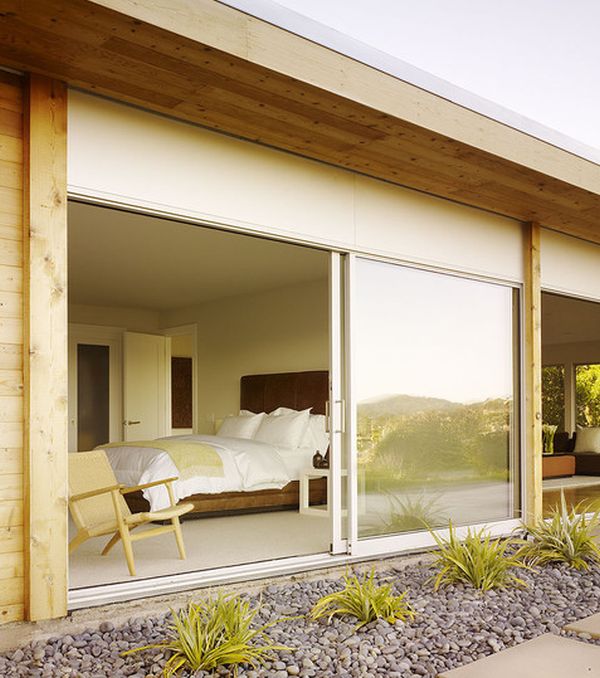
{"x": 532, "y": 363}
{"x": 45, "y": 343}
{"x": 11, "y": 348}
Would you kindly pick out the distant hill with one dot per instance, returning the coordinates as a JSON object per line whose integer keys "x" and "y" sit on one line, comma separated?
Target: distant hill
{"x": 398, "y": 405}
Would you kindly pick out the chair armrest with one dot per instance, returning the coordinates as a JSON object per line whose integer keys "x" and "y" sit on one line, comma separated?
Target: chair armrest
{"x": 94, "y": 493}
{"x": 135, "y": 488}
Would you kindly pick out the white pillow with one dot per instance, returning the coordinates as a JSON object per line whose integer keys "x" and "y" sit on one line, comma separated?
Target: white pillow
{"x": 284, "y": 430}
{"x": 588, "y": 440}
{"x": 286, "y": 410}
{"x": 315, "y": 436}
{"x": 240, "y": 427}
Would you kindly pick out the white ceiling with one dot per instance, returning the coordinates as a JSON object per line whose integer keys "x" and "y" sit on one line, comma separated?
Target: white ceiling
{"x": 568, "y": 320}
{"x": 129, "y": 260}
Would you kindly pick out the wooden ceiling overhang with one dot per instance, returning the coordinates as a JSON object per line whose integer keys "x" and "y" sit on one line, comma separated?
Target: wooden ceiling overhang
{"x": 203, "y": 62}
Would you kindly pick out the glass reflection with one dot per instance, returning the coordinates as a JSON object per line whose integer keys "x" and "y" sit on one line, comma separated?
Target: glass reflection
{"x": 434, "y": 383}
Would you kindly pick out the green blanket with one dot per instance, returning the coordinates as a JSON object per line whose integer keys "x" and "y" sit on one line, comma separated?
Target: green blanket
{"x": 191, "y": 459}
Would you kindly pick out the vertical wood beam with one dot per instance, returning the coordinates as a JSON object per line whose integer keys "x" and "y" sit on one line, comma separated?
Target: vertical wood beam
{"x": 533, "y": 373}
{"x": 45, "y": 348}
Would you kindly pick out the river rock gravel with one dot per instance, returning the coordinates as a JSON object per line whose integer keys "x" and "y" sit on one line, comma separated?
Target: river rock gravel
{"x": 453, "y": 626}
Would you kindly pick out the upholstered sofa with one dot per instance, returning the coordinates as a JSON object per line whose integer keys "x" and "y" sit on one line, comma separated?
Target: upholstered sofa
{"x": 587, "y": 462}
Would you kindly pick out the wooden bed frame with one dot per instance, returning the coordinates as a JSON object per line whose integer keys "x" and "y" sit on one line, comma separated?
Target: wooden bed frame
{"x": 264, "y": 393}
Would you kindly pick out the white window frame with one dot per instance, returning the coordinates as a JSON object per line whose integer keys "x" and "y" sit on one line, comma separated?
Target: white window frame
{"x": 388, "y": 544}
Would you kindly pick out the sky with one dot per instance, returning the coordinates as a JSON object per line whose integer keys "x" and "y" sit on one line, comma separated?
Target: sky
{"x": 424, "y": 334}
{"x": 540, "y": 58}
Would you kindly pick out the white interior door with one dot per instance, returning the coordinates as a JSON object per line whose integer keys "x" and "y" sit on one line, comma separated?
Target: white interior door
{"x": 146, "y": 376}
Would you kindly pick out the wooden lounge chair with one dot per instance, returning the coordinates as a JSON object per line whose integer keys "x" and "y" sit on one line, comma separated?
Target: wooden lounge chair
{"x": 97, "y": 506}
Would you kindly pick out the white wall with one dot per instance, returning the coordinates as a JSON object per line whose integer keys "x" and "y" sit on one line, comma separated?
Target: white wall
{"x": 182, "y": 345}
{"x": 133, "y": 319}
{"x": 570, "y": 265}
{"x": 284, "y": 330}
{"x": 145, "y": 159}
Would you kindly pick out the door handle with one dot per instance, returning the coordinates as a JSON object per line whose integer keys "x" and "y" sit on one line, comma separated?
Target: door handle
{"x": 130, "y": 423}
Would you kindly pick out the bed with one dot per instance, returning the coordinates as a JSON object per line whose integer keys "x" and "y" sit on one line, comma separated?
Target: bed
{"x": 258, "y": 393}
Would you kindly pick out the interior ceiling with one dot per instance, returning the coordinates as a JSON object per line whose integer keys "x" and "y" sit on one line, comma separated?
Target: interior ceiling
{"x": 568, "y": 320}
{"x": 122, "y": 259}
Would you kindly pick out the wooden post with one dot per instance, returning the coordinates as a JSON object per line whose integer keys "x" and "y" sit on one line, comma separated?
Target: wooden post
{"x": 45, "y": 349}
{"x": 533, "y": 373}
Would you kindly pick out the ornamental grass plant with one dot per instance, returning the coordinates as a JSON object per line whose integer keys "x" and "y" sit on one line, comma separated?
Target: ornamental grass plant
{"x": 215, "y": 632}
{"x": 567, "y": 537}
{"x": 418, "y": 512}
{"x": 365, "y": 600}
{"x": 479, "y": 560}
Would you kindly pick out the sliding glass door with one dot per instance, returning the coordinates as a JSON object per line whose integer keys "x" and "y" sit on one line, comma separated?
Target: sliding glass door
{"x": 433, "y": 411}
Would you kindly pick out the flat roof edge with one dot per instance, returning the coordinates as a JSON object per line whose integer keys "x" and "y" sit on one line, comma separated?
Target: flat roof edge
{"x": 330, "y": 38}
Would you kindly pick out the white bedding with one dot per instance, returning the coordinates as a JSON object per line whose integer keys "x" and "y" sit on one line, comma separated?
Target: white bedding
{"x": 248, "y": 466}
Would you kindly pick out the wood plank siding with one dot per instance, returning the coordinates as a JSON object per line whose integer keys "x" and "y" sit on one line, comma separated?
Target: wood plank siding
{"x": 11, "y": 349}
{"x": 33, "y": 419}
{"x": 206, "y": 63}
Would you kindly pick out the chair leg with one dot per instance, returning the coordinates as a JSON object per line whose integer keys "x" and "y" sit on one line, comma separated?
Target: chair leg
{"x": 128, "y": 549}
{"x": 115, "y": 540}
{"x": 77, "y": 540}
{"x": 178, "y": 537}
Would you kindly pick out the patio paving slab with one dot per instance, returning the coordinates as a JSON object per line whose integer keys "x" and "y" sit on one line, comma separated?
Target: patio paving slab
{"x": 548, "y": 656}
{"x": 589, "y": 625}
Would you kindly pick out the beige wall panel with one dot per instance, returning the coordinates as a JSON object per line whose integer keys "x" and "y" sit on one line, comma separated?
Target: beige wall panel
{"x": 188, "y": 170}
{"x": 191, "y": 170}
{"x": 570, "y": 265}
{"x": 426, "y": 229}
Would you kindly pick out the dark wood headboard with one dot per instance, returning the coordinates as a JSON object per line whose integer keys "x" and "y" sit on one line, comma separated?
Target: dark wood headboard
{"x": 297, "y": 390}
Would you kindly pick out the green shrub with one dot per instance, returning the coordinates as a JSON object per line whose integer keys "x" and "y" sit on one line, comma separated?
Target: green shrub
{"x": 364, "y": 599}
{"x": 567, "y": 537}
{"x": 479, "y": 560}
{"x": 212, "y": 633}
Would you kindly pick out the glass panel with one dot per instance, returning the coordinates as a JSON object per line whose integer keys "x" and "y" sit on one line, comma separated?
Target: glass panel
{"x": 93, "y": 401}
{"x": 553, "y": 396}
{"x": 434, "y": 381}
{"x": 587, "y": 385}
